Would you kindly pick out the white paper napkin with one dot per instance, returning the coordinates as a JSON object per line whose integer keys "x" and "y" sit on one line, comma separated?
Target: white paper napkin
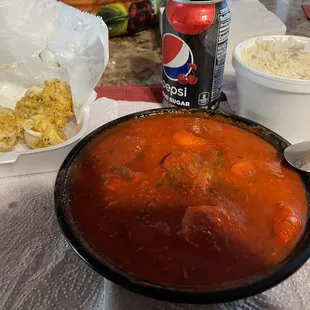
{"x": 39, "y": 270}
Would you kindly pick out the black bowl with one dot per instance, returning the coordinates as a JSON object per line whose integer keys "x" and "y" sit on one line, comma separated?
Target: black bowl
{"x": 106, "y": 268}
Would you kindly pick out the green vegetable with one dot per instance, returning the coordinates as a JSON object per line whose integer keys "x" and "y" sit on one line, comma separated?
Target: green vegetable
{"x": 115, "y": 15}
{"x": 140, "y": 156}
{"x": 125, "y": 173}
{"x": 220, "y": 160}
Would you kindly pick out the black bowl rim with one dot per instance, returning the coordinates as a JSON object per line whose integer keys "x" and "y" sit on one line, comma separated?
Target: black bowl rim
{"x": 166, "y": 292}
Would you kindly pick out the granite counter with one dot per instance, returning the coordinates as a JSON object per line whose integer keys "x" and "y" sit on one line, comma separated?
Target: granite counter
{"x": 137, "y": 59}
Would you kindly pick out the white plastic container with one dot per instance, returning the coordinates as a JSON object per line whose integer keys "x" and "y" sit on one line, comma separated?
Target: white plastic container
{"x": 23, "y": 160}
{"x": 281, "y": 104}
{"x": 41, "y": 160}
{"x": 62, "y": 43}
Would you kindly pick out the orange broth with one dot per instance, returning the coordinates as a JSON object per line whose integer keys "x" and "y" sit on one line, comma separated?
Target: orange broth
{"x": 185, "y": 200}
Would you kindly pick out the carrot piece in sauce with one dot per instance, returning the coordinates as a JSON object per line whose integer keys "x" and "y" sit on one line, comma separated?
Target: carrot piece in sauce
{"x": 188, "y": 139}
{"x": 243, "y": 168}
{"x": 287, "y": 225}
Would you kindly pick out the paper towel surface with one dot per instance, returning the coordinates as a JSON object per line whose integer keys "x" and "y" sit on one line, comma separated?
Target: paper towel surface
{"x": 39, "y": 270}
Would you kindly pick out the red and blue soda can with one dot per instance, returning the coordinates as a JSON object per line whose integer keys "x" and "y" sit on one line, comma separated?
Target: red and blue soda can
{"x": 194, "y": 44}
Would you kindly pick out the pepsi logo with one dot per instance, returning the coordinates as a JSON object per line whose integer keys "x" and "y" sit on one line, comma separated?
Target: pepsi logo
{"x": 177, "y": 57}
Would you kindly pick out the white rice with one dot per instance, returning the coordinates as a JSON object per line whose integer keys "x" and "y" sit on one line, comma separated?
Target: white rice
{"x": 286, "y": 58}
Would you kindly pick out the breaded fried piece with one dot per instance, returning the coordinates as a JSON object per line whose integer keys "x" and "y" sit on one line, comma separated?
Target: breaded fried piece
{"x": 46, "y": 110}
{"x": 8, "y": 129}
{"x": 49, "y": 135}
{"x": 27, "y": 107}
{"x": 57, "y": 103}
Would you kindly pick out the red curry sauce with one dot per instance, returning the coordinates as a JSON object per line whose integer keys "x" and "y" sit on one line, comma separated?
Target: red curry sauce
{"x": 188, "y": 201}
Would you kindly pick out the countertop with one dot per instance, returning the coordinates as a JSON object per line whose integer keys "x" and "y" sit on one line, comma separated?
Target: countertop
{"x": 137, "y": 59}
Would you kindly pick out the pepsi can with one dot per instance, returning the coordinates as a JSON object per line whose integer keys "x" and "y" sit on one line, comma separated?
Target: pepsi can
{"x": 194, "y": 44}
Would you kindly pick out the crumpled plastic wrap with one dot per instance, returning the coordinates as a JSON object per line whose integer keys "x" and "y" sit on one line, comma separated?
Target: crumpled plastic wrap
{"x": 45, "y": 39}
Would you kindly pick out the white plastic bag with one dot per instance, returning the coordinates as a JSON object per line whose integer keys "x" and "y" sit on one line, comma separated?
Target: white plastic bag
{"x": 45, "y": 39}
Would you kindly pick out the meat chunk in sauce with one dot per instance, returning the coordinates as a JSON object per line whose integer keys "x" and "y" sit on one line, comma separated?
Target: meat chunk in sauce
{"x": 185, "y": 169}
{"x": 120, "y": 177}
{"x": 214, "y": 226}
